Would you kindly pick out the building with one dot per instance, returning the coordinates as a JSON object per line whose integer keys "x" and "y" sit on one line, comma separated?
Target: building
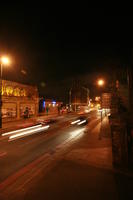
{"x": 78, "y": 97}
{"x": 16, "y": 98}
{"x": 49, "y": 105}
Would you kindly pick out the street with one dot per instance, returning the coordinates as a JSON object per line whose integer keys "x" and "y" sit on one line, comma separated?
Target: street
{"x": 46, "y": 164}
{"x": 22, "y": 158}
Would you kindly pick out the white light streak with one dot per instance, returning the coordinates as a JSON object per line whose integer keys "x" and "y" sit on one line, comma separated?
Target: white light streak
{"x": 29, "y": 132}
{"x": 75, "y": 121}
{"x": 82, "y": 122}
{"x": 21, "y": 130}
{"x": 76, "y": 133}
{"x": 87, "y": 111}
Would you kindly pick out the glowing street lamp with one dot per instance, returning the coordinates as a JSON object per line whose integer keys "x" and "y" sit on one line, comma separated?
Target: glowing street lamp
{"x": 100, "y": 82}
{"x": 3, "y": 61}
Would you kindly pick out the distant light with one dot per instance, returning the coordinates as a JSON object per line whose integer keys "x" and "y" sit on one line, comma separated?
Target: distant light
{"x": 100, "y": 110}
{"x": 98, "y": 105}
{"x": 53, "y": 102}
{"x": 43, "y": 84}
{"x": 87, "y": 111}
{"x": 92, "y": 105}
{"x": 23, "y": 72}
{"x": 97, "y": 98}
{"x": 43, "y": 104}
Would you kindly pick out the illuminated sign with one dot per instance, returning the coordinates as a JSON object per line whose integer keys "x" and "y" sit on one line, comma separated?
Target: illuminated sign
{"x": 13, "y": 91}
{"x": 53, "y": 102}
{"x": 43, "y": 104}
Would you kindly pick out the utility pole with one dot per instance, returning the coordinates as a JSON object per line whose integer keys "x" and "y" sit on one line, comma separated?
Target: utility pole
{"x": 75, "y": 102}
{"x": 3, "y": 61}
{"x": 70, "y": 98}
{"x": 0, "y": 95}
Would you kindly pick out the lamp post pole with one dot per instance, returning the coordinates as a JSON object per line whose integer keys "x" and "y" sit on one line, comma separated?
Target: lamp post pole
{"x": 0, "y": 94}
{"x": 101, "y": 83}
{"x": 3, "y": 61}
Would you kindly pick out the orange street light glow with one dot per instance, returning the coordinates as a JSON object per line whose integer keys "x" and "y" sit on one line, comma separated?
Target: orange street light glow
{"x": 100, "y": 82}
{"x": 5, "y": 60}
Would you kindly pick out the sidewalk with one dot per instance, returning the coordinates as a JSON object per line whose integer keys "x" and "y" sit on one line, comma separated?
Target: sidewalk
{"x": 95, "y": 148}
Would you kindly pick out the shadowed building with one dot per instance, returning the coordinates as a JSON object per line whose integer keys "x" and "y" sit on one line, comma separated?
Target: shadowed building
{"x": 78, "y": 97}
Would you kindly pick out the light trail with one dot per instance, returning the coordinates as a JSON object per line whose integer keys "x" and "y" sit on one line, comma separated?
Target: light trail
{"x": 27, "y": 133}
{"x": 82, "y": 122}
{"x": 76, "y": 133}
{"x": 75, "y": 122}
{"x": 21, "y": 130}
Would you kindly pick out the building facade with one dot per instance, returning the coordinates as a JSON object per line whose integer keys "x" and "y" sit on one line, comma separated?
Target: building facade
{"x": 49, "y": 106}
{"x": 78, "y": 97}
{"x": 16, "y": 98}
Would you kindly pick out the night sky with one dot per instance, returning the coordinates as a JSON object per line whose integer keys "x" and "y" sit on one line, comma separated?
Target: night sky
{"x": 56, "y": 44}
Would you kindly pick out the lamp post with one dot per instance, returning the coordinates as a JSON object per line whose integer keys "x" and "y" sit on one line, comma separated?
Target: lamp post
{"x": 70, "y": 99}
{"x": 3, "y": 61}
{"x": 101, "y": 83}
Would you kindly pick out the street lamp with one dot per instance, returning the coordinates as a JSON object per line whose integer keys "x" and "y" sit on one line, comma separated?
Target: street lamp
{"x": 3, "y": 61}
{"x": 100, "y": 82}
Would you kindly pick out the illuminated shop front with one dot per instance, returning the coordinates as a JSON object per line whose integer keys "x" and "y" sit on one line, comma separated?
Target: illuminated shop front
{"x": 16, "y": 98}
{"x": 50, "y": 105}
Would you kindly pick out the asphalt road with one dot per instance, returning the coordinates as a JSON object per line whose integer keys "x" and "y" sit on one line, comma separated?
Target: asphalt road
{"x": 23, "y": 160}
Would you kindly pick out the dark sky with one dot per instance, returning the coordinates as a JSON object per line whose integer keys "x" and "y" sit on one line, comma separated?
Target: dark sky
{"x": 57, "y": 43}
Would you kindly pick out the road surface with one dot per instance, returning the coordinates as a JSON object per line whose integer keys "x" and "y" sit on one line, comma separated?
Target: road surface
{"x": 24, "y": 161}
